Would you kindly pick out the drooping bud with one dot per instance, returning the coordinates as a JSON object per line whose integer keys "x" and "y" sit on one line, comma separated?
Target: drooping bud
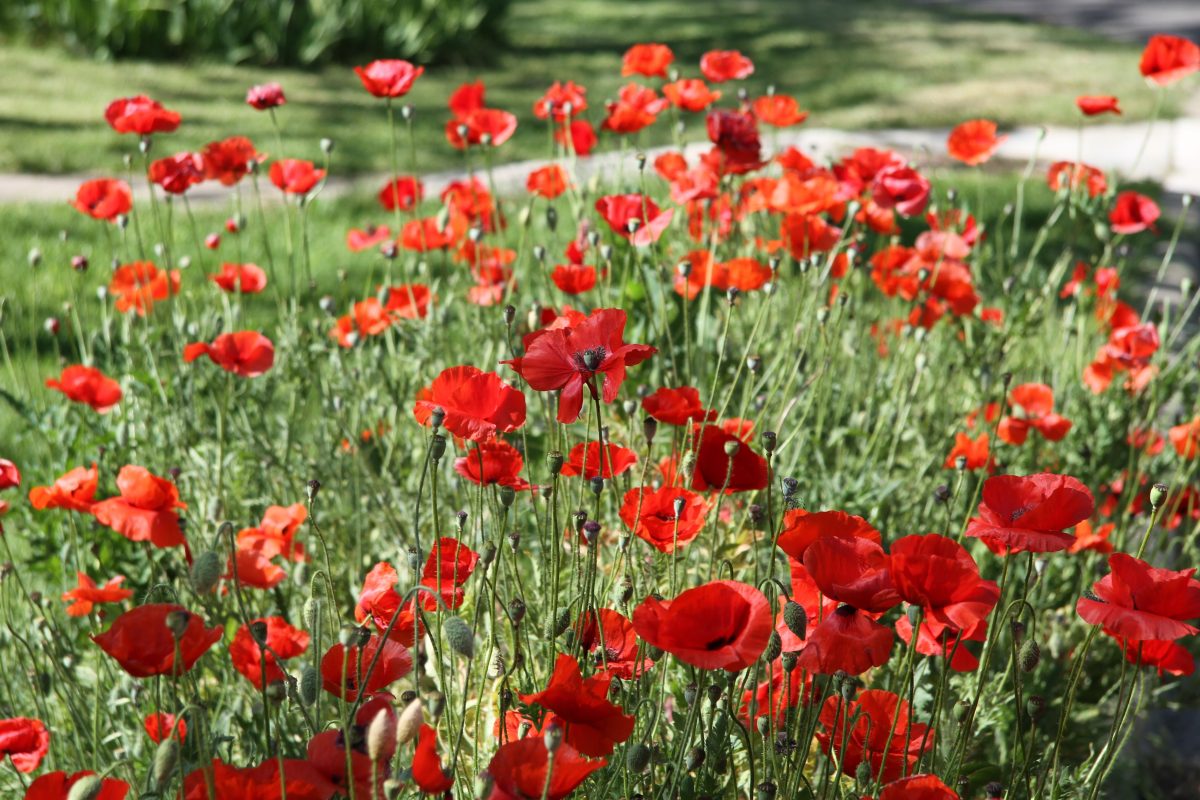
{"x": 86, "y": 788}
{"x": 381, "y": 735}
{"x": 166, "y": 760}
{"x": 408, "y": 724}
{"x": 310, "y": 685}
{"x": 796, "y": 619}
{"x": 774, "y": 647}
{"x": 695, "y": 759}
{"x": 1029, "y": 656}
{"x": 460, "y": 637}
{"x": 206, "y": 572}
{"x": 552, "y": 737}
{"x": 637, "y": 757}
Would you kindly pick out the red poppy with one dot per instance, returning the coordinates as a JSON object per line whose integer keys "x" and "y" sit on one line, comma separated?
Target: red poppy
{"x": 801, "y": 529}
{"x": 1185, "y": 438}
{"x": 140, "y": 115}
{"x": 719, "y": 625}
{"x": 394, "y": 663}
{"x": 613, "y": 644}
{"x": 143, "y": 644}
{"x": 1094, "y": 539}
{"x": 650, "y": 60}
{"x": 557, "y": 99}
{"x": 391, "y": 77}
{"x": 10, "y": 476}
{"x": 228, "y": 160}
{"x": 1133, "y": 213}
{"x": 159, "y": 726}
{"x": 493, "y": 463}
{"x": 427, "y": 769}
{"x": 569, "y": 358}
{"x": 1166, "y": 657}
{"x": 1167, "y": 59}
{"x": 625, "y": 119}
{"x": 253, "y": 567}
{"x": 852, "y": 570}
{"x": 883, "y": 734}
{"x": 549, "y": 181}
{"x": 402, "y": 193}
{"x": 261, "y": 664}
{"x": 677, "y": 406}
{"x": 735, "y": 135}
{"x": 690, "y": 94}
{"x": 265, "y": 96}
{"x": 295, "y": 176}
{"x": 918, "y": 787}
{"x": 578, "y": 136}
{"x": 779, "y": 692}
{"x": 57, "y": 786}
{"x": 431, "y": 233}
{"x": 634, "y": 217}
{"x": 574, "y": 279}
{"x": 379, "y": 600}
{"x": 901, "y": 188}
{"x": 939, "y": 575}
{"x": 178, "y": 173}
{"x": 1129, "y": 349}
{"x": 716, "y": 469}
{"x": 245, "y": 353}
{"x": 476, "y": 405}
{"x": 525, "y": 768}
{"x": 139, "y": 284}
{"x": 651, "y": 515}
{"x": 300, "y": 780}
{"x": 725, "y": 65}
{"x": 409, "y": 301}
{"x": 104, "y": 198}
{"x": 358, "y": 240}
{"x": 1091, "y": 105}
{"x": 25, "y": 741}
{"x": 447, "y": 569}
{"x": 87, "y": 594}
{"x": 587, "y": 461}
{"x": 780, "y": 110}
{"x": 974, "y": 142}
{"x": 1138, "y": 602}
{"x": 275, "y": 535}
{"x": 145, "y": 510}
{"x": 242, "y": 278}
{"x": 975, "y": 451}
{"x": 593, "y": 724}
{"x": 1030, "y": 513}
{"x": 1073, "y": 175}
{"x": 846, "y": 640}
{"x": 1037, "y": 401}
{"x": 75, "y": 491}
{"x": 940, "y": 641}
{"x": 470, "y": 129}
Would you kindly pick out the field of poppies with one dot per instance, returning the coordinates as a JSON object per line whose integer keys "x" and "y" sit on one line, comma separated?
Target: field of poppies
{"x": 732, "y": 471}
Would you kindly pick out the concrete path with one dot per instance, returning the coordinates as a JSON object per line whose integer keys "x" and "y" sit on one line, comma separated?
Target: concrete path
{"x": 1127, "y": 20}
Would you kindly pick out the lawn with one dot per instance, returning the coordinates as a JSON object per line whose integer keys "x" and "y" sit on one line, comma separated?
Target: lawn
{"x": 870, "y": 64}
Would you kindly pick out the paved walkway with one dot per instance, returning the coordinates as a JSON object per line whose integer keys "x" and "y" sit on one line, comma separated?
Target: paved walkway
{"x": 1127, "y": 20}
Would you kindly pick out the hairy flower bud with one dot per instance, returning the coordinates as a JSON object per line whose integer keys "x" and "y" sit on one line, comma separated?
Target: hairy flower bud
{"x": 206, "y": 572}
{"x": 796, "y": 619}
{"x": 459, "y": 635}
{"x": 1029, "y": 656}
{"x": 637, "y": 757}
{"x": 86, "y": 788}
{"x": 166, "y": 760}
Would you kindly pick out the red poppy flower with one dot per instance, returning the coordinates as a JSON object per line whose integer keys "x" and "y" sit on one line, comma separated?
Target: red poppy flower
{"x": 1166, "y": 657}
{"x": 883, "y": 734}
{"x": 10, "y": 476}
{"x": 265, "y": 96}
{"x": 918, "y": 787}
{"x": 744, "y": 471}
{"x": 775, "y": 695}
{"x": 261, "y": 665}
{"x": 939, "y": 575}
{"x": 593, "y": 724}
{"x": 430, "y": 233}
{"x": 1133, "y": 213}
{"x": 476, "y": 405}
{"x": 626, "y": 119}
{"x": 447, "y": 569}
{"x": 586, "y": 461}
{"x": 139, "y": 284}
{"x": 1185, "y": 439}
{"x": 75, "y": 491}
{"x": 493, "y": 463}
{"x": 1091, "y": 105}
{"x": 87, "y": 594}
{"x": 975, "y": 451}
{"x": 613, "y": 645}
{"x": 1094, "y": 539}
{"x": 497, "y": 125}
{"x": 677, "y": 406}
{"x": 1066, "y": 173}
{"x": 25, "y": 741}
{"x": 801, "y": 529}
{"x": 1138, "y": 602}
{"x": 569, "y": 358}
{"x": 780, "y": 110}
{"x": 140, "y": 115}
{"x": 901, "y": 188}
{"x": 104, "y": 198}
{"x": 725, "y": 65}
{"x": 940, "y": 641}
{"x": 735, "y": 135}
{"x": 1167, "y": 59}
{"x": 409, "y": 301}
{"x": 379, "y": 600}
{"x": 275, "y": 535}
{"x": 140, "y": 641}
{"x": 548, "y": 182}
{"x": 1030, "y": 513}
{"x": 145, "y": 509}
{"x": 358, "y": 240}
{"x": 228, "y": 160}
{"x": 557, "y": 98}
{"x": 1037, "y": 401}
{"x": 650, "y": 514}
{"x": 252, "y": 567}
{"x": 690, "y": 94}
{"x": 427, "y": 769}
{"x": 574, "y": 279}
{"x": 57, "y": 786}
{"x": 852, "y": 570}
{"x": 159, "y": 726}
{"x": 650, "y": 60}
{"x": 391, "y": 77}
{"x": 525, "y": 768}
{"x": 719, "y": 625}
{"x": 578, "y": 136}
{"x": 394, "y": 663}
{"x": 402, "y": 193}
{"x": 625, "y": 211}
{"x": 295, "y": 176}
{"x": 178, "y": 173}
{"x": 300, "y": 780}
{"x": 242, "y": 278}
{"x": 1129, "y": 349}
{"x": 245, "y": 353}
{"x": 974, "y": 142}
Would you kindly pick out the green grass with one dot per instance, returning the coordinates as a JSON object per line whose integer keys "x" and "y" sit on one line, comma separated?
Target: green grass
{"x": 877, "y": 63}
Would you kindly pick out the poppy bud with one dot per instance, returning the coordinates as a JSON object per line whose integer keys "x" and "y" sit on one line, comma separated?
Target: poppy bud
{"x": 689, "y": 693}
{"x": 507, "y": 495}
{"x": 486, "y": 140}
{"x": 552, "y": 737}
{"x": 695, "y": 758}
{"x": 597, "y": 485}
{"x": 258, "y": 631}
{"x": 488, "y": 554}
{"x": 591, "y": 530}
{"x": 941, "y": 493}
{"x": 312, "y": 488}
{"x": 166, "y": 759}
{"x": 606, "y": 252}
{"x": 381, "y": 734}
{"x": 637, "y": 757}
{"x": 962, "y": 709}
{"x": 1029, "y": 656}
{"x": 763, "y": 724}
{"x": 713, "y": 691}
{"x": 327, "y": 145}
{"x": 460, "y": 521}
{"x": 516, "y": 610}
{"x": 774, "y": 647}
{"x": 848, "y": 690}
{"x": 408, "y": 724}
{"x": 789, "y": 661}
{"x": 460, "y": 637}
{"x": 863, "y": 773}
{"x": 914, "y": 616}
{"x": 1035, "y": 707}
{"x": 144, "y": 145}
{"x": 177, "y": 623}
{"x": 731, "y": 294}
{"x": 649, "y": 429}
{"x": 765, "y": 791}
{"x": 552, "y": 218}
{"x": 510, "y": 314}
{"x": 754, "y": 364}
{"x": 796, "y": 619}
{"x": 212, "y": 241}
{"x": 994, "y": 790}
{"x": 348, "y": 636}
{"x": 1158, "y": 493}
{"x": 437, "y": 704}
{"x": 632, "y": 225}
{"x": 555, "y": 459}
{"x": 312, "y": 612}
{"x": 309, "y": 685}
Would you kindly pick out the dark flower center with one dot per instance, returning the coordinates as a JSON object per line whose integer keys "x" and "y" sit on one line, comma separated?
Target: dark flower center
{"x": 723, "y": 641}
{"x": 591, "y": 358}
{"x": 845, "y": 610}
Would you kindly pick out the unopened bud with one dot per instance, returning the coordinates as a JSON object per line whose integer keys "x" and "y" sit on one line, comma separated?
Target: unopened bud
{"x": 86, "y": 788}
{"x": 408, "y": 724}
{"x": 206, "y": 572}
{"x": 1029, "y": 656}
{"x": 166, "y": 759}
{"x": 381, "y": 735}
{"x": 796, "y": 619}
{"x": 460, "y": 637}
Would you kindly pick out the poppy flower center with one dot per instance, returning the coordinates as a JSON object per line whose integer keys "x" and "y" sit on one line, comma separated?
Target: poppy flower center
{"x": 845, "y": 610}
{"x": 722, "y": 641}
{"x": 1020, "y": 512}
{"x": 590, "y": 359}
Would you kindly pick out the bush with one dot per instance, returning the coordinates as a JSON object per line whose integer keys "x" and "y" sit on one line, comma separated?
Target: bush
{"x": 293, "y": 32}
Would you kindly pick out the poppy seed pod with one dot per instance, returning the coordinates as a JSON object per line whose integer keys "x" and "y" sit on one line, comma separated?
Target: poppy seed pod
{"x": 507, "y": 495}
{"x": 510, "y": 314}
{"x": 1029, "y": 656}
{"x": 460, "y": 520}
{"x": 941, "y": 493}
{"x": 789, "y": 661}
{"x": 86, "y": 788}
{"x": 437, "y": 447}
{"x": 206, "y": 572}
{"x": 591, "y": 530}
{"x": 731, "y": 447}
{"x": 649, "y": 429}
{"x": 555, "y": 460}
{"x": 796, "y": 619}
{"x": 166, "y": 759}
{"x": 766, "y": 791}
{"x": 258, "y": 631}
{"x": 516, "y": 610}
{"x": 1035, "y": 707}
{"x": 1158, "y": 493}
{"x": 460, "y": 637}
{"x": 312, "y": 488}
